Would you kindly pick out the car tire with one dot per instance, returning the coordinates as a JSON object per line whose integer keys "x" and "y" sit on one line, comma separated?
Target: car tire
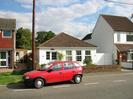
{"x": 38, "y": 83}
{"x": 77, "y": 79}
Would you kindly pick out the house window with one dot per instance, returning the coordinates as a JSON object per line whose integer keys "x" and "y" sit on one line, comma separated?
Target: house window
{"x": 51, "y": 55}
{"x": 7, "y": 33}
{"x": 87, "y": 54}
{"x": 78, "y": 55}
{"x": 130, "y": 55}
{"x": 3, "y": 59}
{"x": 129, "y": 37}
{"x": 118, "y": 37}
{"x": 54, "y": 55}
{"x": 69, "y": 55}
{"x": 48, "y": 55}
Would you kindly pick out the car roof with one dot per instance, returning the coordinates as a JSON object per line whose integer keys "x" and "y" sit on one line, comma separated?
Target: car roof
{"x": 63, "y": 62}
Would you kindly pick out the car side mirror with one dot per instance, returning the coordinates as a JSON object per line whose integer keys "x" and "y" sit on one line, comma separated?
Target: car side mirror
{"x": 50, "y": 70}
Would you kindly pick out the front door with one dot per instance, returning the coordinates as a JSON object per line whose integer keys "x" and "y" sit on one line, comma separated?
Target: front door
{"x": 3, "y": 59}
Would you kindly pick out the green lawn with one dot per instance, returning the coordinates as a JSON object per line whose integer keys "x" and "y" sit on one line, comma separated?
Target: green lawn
{"x": 10, "y": 77}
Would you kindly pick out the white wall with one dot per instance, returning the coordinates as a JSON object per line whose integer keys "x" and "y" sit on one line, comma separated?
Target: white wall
{"x": 103, "y": 59}
{"x": 122, "y": 38}
{"x": 103, "y": 36}
{"x": 42, "y": 54}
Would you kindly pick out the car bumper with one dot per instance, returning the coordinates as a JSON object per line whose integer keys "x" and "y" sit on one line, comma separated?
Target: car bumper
{"x": 28, "y": 82}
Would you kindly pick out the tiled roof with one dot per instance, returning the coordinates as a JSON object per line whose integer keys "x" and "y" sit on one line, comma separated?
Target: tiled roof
{"x": 124, "y": 47}
{"x": 87, "y": 37}
{"x": 7, "y": 24}
{"x": 64, "y": 40}
{"x": 119, "y": 23}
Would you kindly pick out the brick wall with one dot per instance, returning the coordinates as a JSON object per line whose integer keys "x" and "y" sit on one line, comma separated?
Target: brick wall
{"x": 102, "y": 68}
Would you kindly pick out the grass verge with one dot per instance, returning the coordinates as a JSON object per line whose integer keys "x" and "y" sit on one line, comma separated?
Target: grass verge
{"x": 10, "y": 77}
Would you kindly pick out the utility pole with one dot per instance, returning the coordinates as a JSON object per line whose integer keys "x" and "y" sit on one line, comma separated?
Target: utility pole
{"x": 33, "y": 36}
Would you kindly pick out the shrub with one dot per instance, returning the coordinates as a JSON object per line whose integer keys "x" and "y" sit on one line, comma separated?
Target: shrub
{"x": 60, "y": 56}
{"x": 88, "y": 61}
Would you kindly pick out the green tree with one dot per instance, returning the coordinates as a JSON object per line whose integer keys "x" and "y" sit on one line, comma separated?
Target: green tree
{"x": 23, "y": 38}
{"x": 43, "y": 36}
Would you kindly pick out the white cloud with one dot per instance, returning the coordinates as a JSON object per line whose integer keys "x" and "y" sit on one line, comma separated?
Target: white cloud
{"x": 47, "y": 2}
{"x": 121, "y": 9}
{"x": 22, "y": 19}
{"x": 60, "y": 19}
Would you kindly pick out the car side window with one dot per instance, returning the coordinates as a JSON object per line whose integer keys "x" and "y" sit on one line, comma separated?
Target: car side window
{"x": 68, "y": 66}
{"x": 57, "y": 67}
{"x": 77, "y": 65}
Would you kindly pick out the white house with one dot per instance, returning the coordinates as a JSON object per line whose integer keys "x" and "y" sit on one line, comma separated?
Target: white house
{"x": 71, "y": 48}
{"x": 114, "y": 35}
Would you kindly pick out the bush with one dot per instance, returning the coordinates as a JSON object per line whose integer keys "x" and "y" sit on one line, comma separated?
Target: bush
{"x": 60, "y": 56}
{"x": 88, "y": 61}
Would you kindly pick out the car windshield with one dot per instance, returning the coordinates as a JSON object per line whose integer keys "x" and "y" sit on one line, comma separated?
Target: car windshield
{"x": 45, "y": 66}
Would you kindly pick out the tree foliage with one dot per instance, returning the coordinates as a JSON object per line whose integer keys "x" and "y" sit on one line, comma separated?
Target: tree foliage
{"x": 23, "y": 38}
{"x": 88, "y": 61}
{"x": 43, "y": 36}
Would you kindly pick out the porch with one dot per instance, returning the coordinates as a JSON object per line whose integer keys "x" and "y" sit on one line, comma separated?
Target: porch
{"x": 125, "y": 55}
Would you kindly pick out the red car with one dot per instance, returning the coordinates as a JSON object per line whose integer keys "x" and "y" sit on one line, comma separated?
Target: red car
{"x": 57, "y": 71}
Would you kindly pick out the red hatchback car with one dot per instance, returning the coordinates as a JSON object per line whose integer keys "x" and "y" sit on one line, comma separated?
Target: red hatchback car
{"x": 57, "y": 71}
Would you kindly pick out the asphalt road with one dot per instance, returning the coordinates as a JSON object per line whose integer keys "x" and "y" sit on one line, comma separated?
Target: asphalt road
{"x": 94, "y": 86}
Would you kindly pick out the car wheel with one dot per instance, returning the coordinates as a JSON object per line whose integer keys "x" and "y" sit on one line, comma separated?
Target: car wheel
{"x": 77, "y": 79}
{"x": 38, "y": 83}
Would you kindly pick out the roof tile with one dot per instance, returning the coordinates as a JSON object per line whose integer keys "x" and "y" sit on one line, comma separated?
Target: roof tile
{"x": 7, "y": 24}
{"x": 64, "y": 40}
{"x": 119, "y": 23}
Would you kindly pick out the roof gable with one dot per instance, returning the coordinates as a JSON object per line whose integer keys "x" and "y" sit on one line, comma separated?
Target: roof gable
{"x": 64, "y": 40}
{"x": 119, "y": 23}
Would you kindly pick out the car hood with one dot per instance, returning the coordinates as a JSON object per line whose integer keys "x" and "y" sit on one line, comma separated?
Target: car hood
{"x": 34, "y": 73}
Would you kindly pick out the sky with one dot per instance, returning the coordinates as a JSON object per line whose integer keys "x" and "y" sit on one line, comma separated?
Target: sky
{"x": 74, "y": 17}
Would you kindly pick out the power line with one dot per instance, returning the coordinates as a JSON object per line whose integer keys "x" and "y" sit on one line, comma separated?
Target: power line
{"x": 125, "y": 3}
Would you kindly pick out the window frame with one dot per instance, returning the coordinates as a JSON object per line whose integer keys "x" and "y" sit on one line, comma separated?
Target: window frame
{"x": 69, "y": 55}
{"x": 55, "y": 57}
{"x": 4, "y": 59}
{"x": 50, "y": 56}
{"x": 118, "y": 37}
{"x": 129, "y": 34}
{"x": 77, "y": 55}
{"x": 4, "y": 36}
{"x": 130, "y": 56}
{"x": 87, "y": 55}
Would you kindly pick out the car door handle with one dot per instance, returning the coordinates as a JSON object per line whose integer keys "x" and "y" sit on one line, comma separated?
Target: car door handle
{"x": 60, "y": 72}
